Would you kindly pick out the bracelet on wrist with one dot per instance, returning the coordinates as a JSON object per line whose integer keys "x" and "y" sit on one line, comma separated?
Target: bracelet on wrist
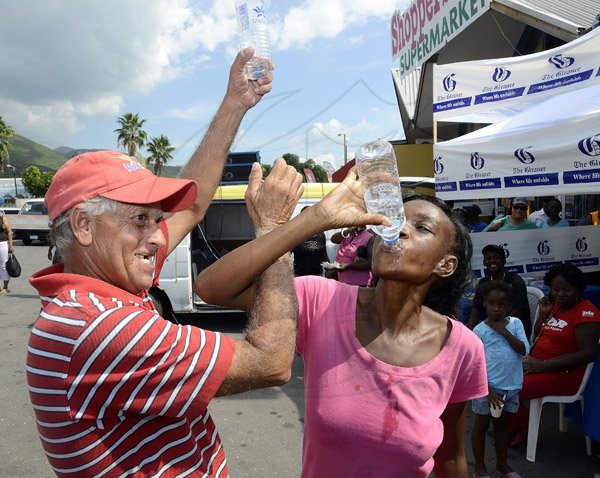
{"x": 345, "y": 233}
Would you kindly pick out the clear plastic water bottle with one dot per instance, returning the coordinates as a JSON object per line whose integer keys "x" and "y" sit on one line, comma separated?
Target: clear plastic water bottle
{"x": 378, "y": 171}
{"x": 253, "y": 28}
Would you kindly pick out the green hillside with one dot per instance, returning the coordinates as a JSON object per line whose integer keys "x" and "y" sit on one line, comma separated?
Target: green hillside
{"x": 168, "y": 171}
{"x": 24, "y": 152}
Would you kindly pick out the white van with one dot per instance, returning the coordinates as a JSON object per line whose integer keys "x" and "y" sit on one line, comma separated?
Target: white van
{"x": 225, "y": 227}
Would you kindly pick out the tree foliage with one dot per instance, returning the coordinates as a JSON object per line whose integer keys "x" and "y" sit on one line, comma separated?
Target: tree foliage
{"x": 266, "y": 168}
{"x": 294, "y": 160}
{"x": 320, "y": 173}
{"x": 6, "y": 133}
{"x": 35, "y": 182}
{"x": 130, "y": 134}
{"x": 161, "y": 152}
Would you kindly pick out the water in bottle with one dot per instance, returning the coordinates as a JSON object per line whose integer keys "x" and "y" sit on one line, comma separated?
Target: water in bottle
{"x": 378, "y": 171}
{"x": 253, "y": 28}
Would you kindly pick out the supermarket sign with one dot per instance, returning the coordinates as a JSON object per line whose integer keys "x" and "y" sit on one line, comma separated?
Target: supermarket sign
{"x": 427, "y": 25}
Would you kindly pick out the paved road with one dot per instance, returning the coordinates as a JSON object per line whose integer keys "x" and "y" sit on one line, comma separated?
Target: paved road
{"x": 261, "y": 431}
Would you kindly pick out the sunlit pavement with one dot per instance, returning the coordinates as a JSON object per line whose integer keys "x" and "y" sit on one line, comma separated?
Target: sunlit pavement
{"x": 261, "y": 431}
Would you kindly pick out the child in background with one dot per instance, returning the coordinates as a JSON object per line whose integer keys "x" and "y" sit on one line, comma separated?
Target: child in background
{"x": 504, "y": 341}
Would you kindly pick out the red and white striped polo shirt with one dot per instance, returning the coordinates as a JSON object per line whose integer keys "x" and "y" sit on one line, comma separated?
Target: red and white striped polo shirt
{"x": 116, "y": 389}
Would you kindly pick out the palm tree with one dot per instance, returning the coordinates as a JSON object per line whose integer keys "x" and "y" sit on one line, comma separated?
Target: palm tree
{"x": 6, "y": 133}
{"x": 130, "y": 134}
{"x": 160, "y": 150}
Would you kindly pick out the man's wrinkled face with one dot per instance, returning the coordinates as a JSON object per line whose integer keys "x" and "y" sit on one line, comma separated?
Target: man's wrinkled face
{"x": 125, "y": 244}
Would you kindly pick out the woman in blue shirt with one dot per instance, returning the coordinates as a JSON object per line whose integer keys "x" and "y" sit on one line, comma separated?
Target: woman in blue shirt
{"x": 517, "y": 220}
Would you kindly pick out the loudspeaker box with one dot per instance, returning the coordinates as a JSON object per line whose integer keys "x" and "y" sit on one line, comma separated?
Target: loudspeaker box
{"x": 238, "y": 166}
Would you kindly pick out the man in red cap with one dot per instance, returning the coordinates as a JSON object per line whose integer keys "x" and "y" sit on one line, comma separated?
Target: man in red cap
{"x": 116, "y": 389}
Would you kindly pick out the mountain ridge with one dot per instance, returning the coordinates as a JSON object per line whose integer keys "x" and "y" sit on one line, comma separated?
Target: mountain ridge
{"x": 25, "y": 152}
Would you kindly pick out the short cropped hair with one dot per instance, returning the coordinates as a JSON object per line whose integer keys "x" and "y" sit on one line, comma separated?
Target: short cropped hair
{"x": 572, "y": 274}
{"x": 496, "y": 286}
{"x": 60, "y": 233}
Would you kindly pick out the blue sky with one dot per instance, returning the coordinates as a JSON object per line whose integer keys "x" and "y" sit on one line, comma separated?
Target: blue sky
{"x": 70, "y": 68}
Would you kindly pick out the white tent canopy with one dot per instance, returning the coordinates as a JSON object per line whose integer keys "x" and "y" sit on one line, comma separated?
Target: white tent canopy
{"x": 487, "y": 91}
{"x": 551, "y": 148}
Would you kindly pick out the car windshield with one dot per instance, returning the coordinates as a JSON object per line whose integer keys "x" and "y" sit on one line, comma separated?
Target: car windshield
{"x": 35, "y": 208}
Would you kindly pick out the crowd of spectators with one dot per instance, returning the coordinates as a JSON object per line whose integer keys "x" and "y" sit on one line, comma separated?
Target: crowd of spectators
{"x": 519, "y": 216}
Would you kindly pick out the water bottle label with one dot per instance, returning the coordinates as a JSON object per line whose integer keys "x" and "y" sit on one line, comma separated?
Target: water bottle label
{"x": 259, "y": 14}
{"x": 253, "y": 29}
{"x": 244, "y": 21}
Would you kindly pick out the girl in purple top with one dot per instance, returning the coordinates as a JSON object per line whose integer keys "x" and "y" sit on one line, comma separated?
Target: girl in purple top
{"x": 354, "y": 269}
{"x": 388, "y": 373}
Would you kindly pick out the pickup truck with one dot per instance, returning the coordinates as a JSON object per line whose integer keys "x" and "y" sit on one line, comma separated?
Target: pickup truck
{"x": 31, "y": 223}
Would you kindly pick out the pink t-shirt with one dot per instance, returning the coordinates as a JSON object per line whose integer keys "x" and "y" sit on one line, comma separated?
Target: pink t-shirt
{"x": 365, "y": 417}
{"x": 347, "y": 253}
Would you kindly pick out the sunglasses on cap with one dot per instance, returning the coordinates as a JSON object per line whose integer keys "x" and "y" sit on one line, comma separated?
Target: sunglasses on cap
{"x": 522, "y": 207}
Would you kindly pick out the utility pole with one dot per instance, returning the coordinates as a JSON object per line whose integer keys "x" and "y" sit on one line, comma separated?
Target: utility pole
{"x": 306, "y": 155}
{"x": 14, "y": 171}
{"x": 345, "y": 147}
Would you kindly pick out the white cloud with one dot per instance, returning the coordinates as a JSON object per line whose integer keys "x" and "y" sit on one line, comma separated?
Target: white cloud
{"x": 192, "y": 113}
{"x": 317, "y": 18}
{"x": 64, "y": 61}
{"x": 104, "y": 107}
{"x": 69, "y": 58}
{"x": 329, "y": 162}
{"x": 357, "y": 40}
{"x": 355, "y": 133}
{"x": 324, "y": 139}
{"x": 75, "y": 50}
{"x": 44, "y": 124}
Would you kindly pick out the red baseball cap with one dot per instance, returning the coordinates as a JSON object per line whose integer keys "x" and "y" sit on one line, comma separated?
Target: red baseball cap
{"x": 115, "y": 176}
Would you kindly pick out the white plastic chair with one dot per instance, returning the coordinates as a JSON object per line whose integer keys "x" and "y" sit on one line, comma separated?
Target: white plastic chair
{"x": 535, "y": 411}
{"x": 533, "y": 297}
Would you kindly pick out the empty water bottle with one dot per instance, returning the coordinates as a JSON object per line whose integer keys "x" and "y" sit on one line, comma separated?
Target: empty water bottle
{"x": 378, "y": 171}
{"x": 253, "y": 28}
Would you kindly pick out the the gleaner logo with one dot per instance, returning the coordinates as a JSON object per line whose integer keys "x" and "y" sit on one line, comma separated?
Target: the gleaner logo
{"x": 130, "y": 164}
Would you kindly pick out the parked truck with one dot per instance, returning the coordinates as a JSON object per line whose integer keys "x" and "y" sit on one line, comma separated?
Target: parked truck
{"x": 31, "y": 222}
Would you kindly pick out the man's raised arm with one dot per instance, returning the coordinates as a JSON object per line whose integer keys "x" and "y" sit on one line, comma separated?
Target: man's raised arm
{"x": 264, "y": 357}
{"x": 206, "y": 164}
